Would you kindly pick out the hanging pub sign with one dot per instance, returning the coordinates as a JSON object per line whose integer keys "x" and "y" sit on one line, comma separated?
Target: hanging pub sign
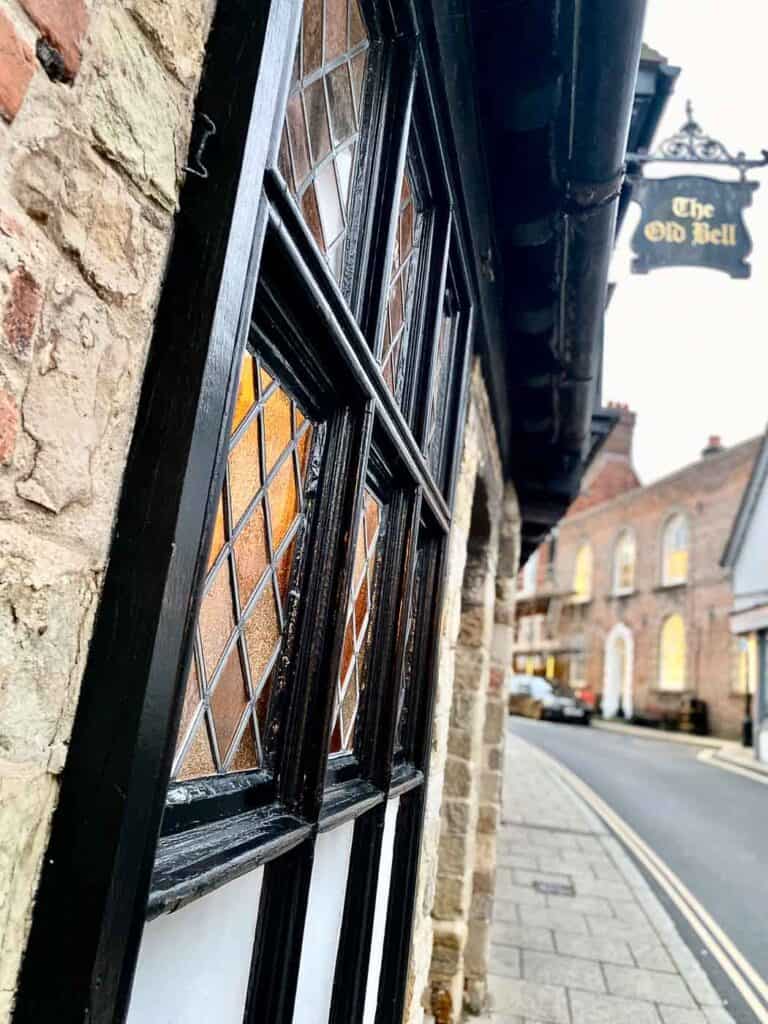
{"x": 692, "y": 220}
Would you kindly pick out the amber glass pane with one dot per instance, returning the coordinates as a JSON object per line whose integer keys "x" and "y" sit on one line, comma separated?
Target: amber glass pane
{"x": 244, "y": 471}
{"x": 217, "y": 619}
{"x": 228, "y": 701}
{"x": 297, "y": 137}
{"x": 217, "y": 542}
{"x": 356, "y": 628}
{"x": 399, "y": 301}
{"x": 312, "y": 35}
{"x": 262, "y": 634}
{"x": 247, "y": 755}
{"x": 283, "y": 501}
{"x": 251, "y": 555}
{"x": 323, "y": 121}
{"x": 257, "y": 554}
{"x": 246, "y": 393}
{"x": 191, "y": 702}
{"x": 278, "y": 431}
{"x": 198, "y": 761}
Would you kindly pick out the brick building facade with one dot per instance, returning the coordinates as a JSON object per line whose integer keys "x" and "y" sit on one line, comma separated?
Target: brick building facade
{"x": 627, "y": 601}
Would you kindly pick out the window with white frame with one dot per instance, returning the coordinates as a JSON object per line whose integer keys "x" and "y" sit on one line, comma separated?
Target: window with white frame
{"x": 582, "y": 574}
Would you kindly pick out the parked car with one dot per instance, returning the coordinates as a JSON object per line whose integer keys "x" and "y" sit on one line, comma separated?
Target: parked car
{"x": 535, "y": 697}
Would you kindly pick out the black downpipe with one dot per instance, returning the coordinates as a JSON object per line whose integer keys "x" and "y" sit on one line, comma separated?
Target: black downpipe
{"x": 607, "y": 38}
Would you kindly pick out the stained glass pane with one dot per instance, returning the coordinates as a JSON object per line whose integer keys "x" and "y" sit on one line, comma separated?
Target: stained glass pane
{"x": 243, "y": 610}
{"x": 228, "y": 701}
{"x": 323, "y": 121}
{"x": 438, "y": 399}
{"x": 357, "y": 628}
{"x": 400, "y": 288}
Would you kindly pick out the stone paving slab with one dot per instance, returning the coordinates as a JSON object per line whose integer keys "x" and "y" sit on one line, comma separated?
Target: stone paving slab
{"x": 578, "y": 935}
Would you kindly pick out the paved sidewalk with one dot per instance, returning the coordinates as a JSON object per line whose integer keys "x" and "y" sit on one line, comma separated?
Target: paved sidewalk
{"x": 578, "y": 935}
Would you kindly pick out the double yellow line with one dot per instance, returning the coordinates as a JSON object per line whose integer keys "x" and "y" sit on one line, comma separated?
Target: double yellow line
{"x": 742, "y": 974}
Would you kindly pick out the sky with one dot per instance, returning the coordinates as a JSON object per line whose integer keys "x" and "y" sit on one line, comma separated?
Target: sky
{"x": 687, "y": 348}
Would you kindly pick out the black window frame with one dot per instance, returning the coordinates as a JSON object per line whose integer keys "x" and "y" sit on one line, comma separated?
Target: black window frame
{"x": 105, "y": 869}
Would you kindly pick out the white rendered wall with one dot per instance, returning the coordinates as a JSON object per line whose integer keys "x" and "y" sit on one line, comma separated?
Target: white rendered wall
{"x": 380, "y": 913}
{"x": 750, "y": 573}
{"x": 194, "y": 964}
{"x": 323, "y": 925}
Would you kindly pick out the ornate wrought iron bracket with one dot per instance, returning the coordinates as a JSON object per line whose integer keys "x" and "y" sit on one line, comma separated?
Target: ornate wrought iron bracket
{"x": 691, "y": 146}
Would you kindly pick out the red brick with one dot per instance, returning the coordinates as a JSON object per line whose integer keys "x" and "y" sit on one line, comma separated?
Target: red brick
{"x": 17, "y": 66}
{"x": 9, "y": 425}
{"x": 708, "y": 492}
{"x": 62, "y": 23}
{"x": 21, "y": 312}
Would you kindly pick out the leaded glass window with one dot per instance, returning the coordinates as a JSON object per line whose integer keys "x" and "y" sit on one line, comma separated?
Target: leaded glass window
{"x": 320, "y": 147}
{"x": 401, "y": 287}
{"x": 239, "y": 631}
{"x": 351, "y": 679}
{"x": 441, "y": 372}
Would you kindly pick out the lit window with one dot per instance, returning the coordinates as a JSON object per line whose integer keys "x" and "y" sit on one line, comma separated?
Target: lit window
{"x": 582, "y": 576}
{"x": 746, "y": 663}
{"x": 624, "y": 563}
{"x": 675, "y": 551}
{"x": 673, "y": 651}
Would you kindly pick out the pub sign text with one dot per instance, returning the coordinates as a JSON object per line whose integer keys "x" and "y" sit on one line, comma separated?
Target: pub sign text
{"x": 692, "y": 221}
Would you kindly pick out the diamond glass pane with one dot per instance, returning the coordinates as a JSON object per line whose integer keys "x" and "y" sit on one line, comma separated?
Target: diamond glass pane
{"x": 318, "y": 154}
{"x": 438, "y": 398}
{"x": 240, "y": 626}
{"x": 401, "y": 287}
{"x": 349, "y": 684}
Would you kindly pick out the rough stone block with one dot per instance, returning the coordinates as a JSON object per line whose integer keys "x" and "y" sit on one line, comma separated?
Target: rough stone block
{"x": 134, "y": 108}
{"x": 63, "y": 24}
{"x": 495, "y": 719}
{"x": 447, "y": 948}
{"x": 91, "y": 215}
{"x": 488, "y": 816}
{"x": 456, "y": 816}
{"x": 17, "y": 66}
{"x": 451, "y": 899}
{"x": 177, "y": 30}
{"x": 458, "y": 778}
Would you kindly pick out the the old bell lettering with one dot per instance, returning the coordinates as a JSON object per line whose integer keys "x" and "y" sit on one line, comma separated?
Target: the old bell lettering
{"x": 692, "y": 221}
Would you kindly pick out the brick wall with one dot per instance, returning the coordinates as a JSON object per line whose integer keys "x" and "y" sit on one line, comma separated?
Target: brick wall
{"x": 707, "y": 493}
{"x": 95, "y": 110}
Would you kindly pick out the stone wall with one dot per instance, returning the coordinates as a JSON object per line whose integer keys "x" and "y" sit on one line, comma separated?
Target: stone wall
{"x": 95, "y": 110}
{"x": 449, "y": 952}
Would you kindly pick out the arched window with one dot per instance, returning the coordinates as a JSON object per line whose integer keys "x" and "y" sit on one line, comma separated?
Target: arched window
{"x": 582, "y": 574}
{"x": 672, "y": 654}
{"x": 624, "y": 563}
{"x": 674, "y": 551}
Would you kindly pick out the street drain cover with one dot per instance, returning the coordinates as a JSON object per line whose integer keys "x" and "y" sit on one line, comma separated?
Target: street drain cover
{"x": 554, "y": 888}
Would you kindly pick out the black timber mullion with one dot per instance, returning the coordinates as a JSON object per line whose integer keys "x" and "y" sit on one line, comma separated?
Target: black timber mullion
{"x": 386, "y": 212}
{"x": 334, "y": 315}
{"x": 91, "y": 902}
{"x": 277, "y": 949}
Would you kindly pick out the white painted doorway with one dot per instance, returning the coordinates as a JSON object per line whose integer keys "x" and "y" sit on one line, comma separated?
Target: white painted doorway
{"x": 617, "y": 676}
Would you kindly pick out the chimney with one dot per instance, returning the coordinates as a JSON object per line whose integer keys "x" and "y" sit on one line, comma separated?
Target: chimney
{"x": 713, "y": 447}
{"x": 619, "y": 441}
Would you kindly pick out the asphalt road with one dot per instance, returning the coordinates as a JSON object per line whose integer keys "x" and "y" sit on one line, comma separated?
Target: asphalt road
{"x": 709, "y": 826}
